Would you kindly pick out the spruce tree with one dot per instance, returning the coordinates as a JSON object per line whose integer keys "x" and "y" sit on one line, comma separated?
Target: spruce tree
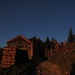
{"x": 71, "y": 36}
{"x": 52, "y": 43}
{"x": 47, "y": 43}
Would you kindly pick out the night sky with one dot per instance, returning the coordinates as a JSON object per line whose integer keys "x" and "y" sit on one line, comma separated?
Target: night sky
{"x": 40, "y": 18}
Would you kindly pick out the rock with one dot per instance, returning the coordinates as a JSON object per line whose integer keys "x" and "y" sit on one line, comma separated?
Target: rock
{"x": 48, "y": 68}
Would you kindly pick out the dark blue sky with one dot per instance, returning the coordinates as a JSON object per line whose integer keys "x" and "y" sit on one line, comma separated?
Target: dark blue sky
{"x": 40, "y": 18}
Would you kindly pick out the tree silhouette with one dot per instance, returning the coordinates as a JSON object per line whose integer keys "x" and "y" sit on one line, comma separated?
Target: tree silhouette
{"x": 52, "y": 43}
{"x": 38, "y": 48}
{"x": 71, "y": 36}
{"x": 47, "y": 43}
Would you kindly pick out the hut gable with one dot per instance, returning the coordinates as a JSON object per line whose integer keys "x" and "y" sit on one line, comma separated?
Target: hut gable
{"x": 19, "y": 37}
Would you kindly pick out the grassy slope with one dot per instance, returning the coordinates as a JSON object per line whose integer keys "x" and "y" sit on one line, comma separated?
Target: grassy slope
{"x": 63, "y": 59}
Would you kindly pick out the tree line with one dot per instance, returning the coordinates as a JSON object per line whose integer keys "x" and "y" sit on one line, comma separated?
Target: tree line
{"x": 40, "y": 47}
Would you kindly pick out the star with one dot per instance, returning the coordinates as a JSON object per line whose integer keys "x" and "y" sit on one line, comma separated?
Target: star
{"x": 35, "y": 5}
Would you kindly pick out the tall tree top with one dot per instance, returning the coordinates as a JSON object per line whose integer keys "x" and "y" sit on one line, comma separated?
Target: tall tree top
{"x": 71, "y": 36}
{"x": 71, "y": 31}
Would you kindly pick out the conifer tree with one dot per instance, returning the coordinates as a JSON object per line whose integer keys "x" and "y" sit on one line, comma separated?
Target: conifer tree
{"x": 52, "y": 43}
{"x": 38, "y": 48}
{"x": 47, "y": 43}
{"x": 71, "y": 36}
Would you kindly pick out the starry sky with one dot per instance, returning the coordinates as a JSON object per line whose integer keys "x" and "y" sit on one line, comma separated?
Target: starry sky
{"x": 40, "y": 18}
